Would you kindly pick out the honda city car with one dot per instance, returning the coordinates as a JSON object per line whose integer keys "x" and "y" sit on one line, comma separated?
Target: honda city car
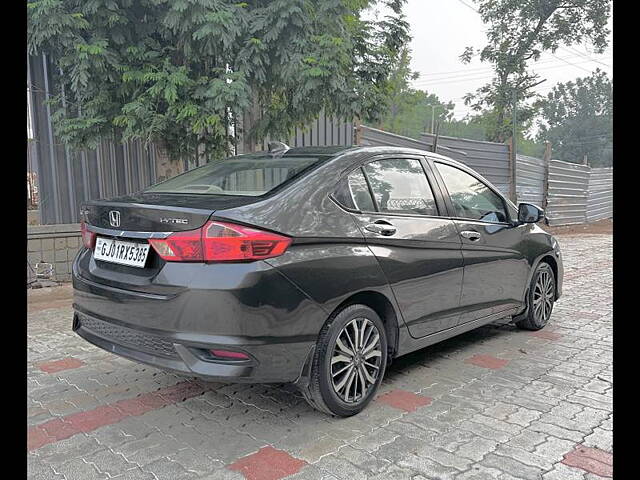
{"x": 315, "y": 266}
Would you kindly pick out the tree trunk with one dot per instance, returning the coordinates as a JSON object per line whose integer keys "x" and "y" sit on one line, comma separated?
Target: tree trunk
{"x": 249, "y": 119}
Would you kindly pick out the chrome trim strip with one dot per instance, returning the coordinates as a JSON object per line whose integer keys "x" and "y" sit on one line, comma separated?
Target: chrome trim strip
{"x": 125, "y": 233}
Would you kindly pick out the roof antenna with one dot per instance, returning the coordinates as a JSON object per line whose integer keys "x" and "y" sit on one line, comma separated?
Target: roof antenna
{"x": 278, "y": 147}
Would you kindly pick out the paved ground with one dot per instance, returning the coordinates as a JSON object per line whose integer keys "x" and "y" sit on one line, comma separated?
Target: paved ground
{"x": 496, "y": 403}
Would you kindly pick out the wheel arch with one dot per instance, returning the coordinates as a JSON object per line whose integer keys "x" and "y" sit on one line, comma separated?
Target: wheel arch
{"x": 548, "y": 259}
{"x": 544, "y": 258}
{"x": 380, "y": 304}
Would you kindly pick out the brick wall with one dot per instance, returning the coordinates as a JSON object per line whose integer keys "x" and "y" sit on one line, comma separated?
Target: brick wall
{"x": 54, "y": 244}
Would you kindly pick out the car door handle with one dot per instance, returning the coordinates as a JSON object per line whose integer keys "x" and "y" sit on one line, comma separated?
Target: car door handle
{"x": 381, "y": 227}
{"x": 471, "y": 235}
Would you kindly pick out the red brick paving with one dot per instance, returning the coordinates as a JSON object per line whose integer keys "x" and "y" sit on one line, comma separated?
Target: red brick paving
{"x": 404, "y": 400}
{"x": 60, "y": 365}
{"x": 487, "y": 361}
{"x": 546, "y": 334}
{"x": 267, "y": 463}
{"x": 592, "y": 460}
{"x": 87, "y": 421}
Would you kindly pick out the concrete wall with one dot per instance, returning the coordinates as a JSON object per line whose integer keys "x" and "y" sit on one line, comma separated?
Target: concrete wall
{"x": 54, "y": 244}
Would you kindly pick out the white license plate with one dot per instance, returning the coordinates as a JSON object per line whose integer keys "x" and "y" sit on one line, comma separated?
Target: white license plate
{"x": 119, "y": 251}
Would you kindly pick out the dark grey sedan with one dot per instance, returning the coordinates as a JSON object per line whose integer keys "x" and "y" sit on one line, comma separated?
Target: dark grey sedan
{"x": 315, "y": 266}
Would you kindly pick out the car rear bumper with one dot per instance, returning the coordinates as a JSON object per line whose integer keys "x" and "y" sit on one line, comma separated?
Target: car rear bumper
{"x": 176, "y": 330}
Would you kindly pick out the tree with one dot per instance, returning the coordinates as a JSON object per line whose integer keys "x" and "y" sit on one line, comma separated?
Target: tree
{"x": 577, "y": 118}
{"x": 410, "y": 110}
{"x": 179, "y": 72}
{"x": 519, "y": 31}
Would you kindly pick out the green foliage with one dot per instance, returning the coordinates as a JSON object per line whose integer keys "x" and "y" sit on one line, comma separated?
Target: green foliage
{"x": 180, "y": 72}
{"x": 519, "y": 31}
{"x": 409, "y": 110}
{"x": 577, "y": 118}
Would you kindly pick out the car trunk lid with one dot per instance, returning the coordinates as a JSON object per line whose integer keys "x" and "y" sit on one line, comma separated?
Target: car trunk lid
{"x": 158, "y": 212}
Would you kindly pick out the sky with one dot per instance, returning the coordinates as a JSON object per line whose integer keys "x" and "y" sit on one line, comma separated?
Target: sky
{"x": 441, "y": 30}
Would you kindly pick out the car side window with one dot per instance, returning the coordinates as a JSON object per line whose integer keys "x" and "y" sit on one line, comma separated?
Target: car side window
{"x": 400, "y": 185}
{"x": 359, "y": 192}
{"x": 471, "y": 198}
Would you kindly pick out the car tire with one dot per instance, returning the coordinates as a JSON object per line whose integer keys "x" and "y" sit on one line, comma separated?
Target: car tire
{"x": 340, "y": 384}
{"x": 540, "y": 298}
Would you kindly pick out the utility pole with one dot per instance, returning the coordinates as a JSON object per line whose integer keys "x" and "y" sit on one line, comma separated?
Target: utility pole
{"x": 433, "y": 116}
{"x": 514, "y": 148}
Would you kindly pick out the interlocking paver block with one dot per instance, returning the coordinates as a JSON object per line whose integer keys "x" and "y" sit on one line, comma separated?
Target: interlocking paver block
{"x": 56, "y": 366}
{"x": 404, "y": 400}
{"x": 546, "y": 334}
{"x": 267, "y": 463}
{"x": 113, "y": 418}
{"x": 591, "y": 460}
{"x": 487, "y": 361}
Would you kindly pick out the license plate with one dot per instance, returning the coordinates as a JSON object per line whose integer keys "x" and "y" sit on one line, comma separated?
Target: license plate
{"x": 118, "y": 251}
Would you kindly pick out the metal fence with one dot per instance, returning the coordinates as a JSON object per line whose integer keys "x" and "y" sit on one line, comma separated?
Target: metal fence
{"x": 530, "y": 179}
{"x": 323, "y": 131}
{"x": 66, "y": 178}
{"x": 491, "y": 160}
{"x": 600, "y": 194}
{"x": 567, "y": 195}
{"x": 572, "y": 193}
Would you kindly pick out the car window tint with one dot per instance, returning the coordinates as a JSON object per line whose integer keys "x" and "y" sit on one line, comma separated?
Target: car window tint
{"x": 401, "y": 186}
{"x": 249, "y": 175}
{"x": 360, "y": 194}
{"x": 470, "y": 197}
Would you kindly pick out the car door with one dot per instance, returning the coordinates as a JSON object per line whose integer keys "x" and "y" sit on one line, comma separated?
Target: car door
{"x": 495, "y": 269}
{"x": 398, "y": 211}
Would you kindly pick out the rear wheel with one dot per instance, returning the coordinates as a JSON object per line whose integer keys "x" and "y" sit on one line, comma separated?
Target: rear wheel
{"x": 349, "y": 361}
{"x": 541, "y": 297}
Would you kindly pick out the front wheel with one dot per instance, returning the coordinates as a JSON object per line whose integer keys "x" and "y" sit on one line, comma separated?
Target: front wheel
{"x": 349, "y": 361}
{"x": 540, "y": 298}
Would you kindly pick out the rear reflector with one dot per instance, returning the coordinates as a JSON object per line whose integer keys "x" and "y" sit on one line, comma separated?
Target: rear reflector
{"x": 220, "y": 242}
{"x": 228, "y": 354}
{"x": 88, "y": 237}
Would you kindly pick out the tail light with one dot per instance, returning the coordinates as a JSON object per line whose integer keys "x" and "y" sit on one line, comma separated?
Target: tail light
{"x": 220, "y": 242}
{"x": 88, "y": 237}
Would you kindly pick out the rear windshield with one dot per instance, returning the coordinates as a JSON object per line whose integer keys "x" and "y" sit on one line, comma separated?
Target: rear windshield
{"x": 242, "y": 176}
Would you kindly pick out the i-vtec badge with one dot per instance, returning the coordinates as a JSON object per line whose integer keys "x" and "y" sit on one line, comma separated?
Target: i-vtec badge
{"x": 183, "y": 221}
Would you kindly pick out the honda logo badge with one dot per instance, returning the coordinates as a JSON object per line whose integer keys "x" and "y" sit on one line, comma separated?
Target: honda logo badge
{"x": 114, "y": 218}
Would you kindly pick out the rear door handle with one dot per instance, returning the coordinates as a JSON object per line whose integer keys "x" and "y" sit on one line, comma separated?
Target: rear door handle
{"x": 381, "y": 227}
{"x": 471, "y": 235}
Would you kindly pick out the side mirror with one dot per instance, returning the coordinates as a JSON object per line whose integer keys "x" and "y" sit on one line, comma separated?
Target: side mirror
{"x": 529, "y": 213}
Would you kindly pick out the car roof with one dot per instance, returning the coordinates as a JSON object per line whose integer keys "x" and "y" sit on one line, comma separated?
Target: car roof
{"x": 337, "y": 150}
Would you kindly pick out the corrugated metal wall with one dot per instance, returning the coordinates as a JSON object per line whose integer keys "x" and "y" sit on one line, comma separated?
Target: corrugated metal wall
{"x": 567, "y": 196}
{"x": 600, "y": 195}
{"x": 489, "y": 159}
{"x": 530, "y": 173}
{"x": 324, "y": 131}
{"x": 66, "y": 178}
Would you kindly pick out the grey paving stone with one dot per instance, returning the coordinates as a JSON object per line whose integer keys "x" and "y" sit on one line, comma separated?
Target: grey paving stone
{"x": 78, "y": 469}
{"x": 516, "y": 422}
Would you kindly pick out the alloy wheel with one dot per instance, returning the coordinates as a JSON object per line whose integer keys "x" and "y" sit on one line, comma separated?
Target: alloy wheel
{"x": 356, "y": 360}
{"x": 543, "y": 294}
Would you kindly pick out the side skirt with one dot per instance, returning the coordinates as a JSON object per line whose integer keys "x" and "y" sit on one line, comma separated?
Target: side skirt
{"x": 408, "y": 344}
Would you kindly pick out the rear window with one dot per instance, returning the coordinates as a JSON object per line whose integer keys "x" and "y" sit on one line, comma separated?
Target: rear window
{"x": 241, "y": 176}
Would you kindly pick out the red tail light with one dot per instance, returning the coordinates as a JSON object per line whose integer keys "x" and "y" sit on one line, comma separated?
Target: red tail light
{"x": 88, "y": 237}
{"x": 220, "y": 242}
